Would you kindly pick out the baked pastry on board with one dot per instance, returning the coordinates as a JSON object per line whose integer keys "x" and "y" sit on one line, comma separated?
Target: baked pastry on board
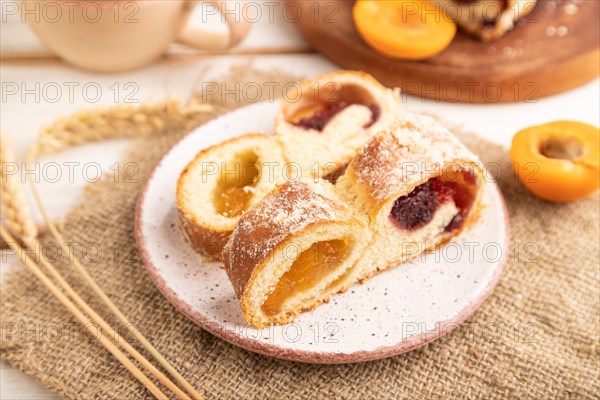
{"x": 331, "y": 118}
{"x": 220, "y": 184}
{"x": 486, "y": 19}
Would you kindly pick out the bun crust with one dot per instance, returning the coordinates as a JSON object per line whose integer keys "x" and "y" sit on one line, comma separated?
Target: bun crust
{"x": 204, "y": 240}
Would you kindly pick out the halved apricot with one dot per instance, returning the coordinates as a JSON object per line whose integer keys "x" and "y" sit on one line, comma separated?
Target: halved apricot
{"x": 407, "y": 29}
{"x": 558, "y": 161}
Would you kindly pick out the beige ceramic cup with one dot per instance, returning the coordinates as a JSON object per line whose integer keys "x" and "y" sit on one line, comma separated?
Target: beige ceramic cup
{"x": 116, "y": 35}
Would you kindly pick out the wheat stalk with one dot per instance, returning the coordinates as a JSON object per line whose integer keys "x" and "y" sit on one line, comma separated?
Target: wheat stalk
{"x": 15, "y": 212}
{"x": 85, "y": 127}
{"x": 116, "y": 122}
{"x": 123, "y": 121}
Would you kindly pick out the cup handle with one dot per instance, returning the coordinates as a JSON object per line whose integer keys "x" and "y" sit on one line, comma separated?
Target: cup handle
{"x": 207, "y": 40}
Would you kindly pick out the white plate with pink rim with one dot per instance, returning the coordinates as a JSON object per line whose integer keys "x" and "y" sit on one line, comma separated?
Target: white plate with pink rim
{"x": 396, "y": 311}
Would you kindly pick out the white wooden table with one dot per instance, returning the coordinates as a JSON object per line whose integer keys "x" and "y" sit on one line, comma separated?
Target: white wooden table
{"x": 22, "y": 117}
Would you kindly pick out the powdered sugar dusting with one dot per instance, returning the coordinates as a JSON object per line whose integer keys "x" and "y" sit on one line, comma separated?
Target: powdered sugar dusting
{"x": 410, "y": 152}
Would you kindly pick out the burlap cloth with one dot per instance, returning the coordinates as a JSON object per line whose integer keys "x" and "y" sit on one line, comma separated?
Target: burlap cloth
{"x": 537, "y": 336}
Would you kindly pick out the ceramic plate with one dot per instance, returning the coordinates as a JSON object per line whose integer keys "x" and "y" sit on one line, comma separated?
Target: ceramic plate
{"x": 397, "y": 311}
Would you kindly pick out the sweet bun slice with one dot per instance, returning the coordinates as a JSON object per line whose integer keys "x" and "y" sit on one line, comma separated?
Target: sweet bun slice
{"x": 221, "y": 184}
{"x": 418, "y": 187}
{"x": 331, "y": 118}
{"x": 292, "y": 252}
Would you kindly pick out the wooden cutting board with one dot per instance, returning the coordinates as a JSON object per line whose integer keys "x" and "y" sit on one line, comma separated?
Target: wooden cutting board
{"x": 552, "y": 50}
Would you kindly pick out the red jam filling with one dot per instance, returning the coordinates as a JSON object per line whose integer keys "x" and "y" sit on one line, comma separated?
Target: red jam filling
{"x": 321, "y": 117}
{"x": 417, "y": 208}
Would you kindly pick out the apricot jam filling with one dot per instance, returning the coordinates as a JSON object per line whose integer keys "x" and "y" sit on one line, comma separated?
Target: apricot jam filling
{"x": 417, "y": 208}
{"x": 237, "y": 179}
{"x": 311, "y": 267}
{"x": 321, "y": 103}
